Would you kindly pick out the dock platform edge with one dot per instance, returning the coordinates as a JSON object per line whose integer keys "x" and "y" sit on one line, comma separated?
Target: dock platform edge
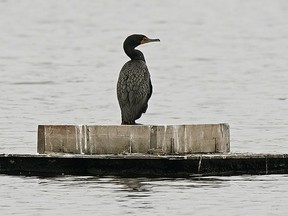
{"x": 144, "y": 165}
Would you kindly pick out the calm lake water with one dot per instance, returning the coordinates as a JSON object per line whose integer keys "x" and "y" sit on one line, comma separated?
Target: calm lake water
{"x": 218, "y": 61}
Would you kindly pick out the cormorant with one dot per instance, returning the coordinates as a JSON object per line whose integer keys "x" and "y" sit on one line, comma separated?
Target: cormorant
{"x": 134, "y": 86}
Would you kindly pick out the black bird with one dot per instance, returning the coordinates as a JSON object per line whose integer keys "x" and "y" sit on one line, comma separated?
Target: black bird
{"x": 134, "y": 86}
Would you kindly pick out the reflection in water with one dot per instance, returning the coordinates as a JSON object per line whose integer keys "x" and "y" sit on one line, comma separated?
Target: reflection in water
{"x": 134, "y": 184}
{"x": 144, "y": 196}
{"x": 138, "y": 184}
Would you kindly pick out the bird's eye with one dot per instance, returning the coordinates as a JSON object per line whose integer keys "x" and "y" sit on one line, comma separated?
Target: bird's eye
{"x": 144, "y": 40}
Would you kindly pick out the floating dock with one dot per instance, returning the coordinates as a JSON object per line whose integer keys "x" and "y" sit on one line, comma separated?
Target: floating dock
{"x": 138, "y": 165}
{"x": 138, "y": 151}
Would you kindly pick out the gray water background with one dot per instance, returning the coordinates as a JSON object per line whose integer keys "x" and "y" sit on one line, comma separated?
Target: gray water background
{"x": 218, "y": 61}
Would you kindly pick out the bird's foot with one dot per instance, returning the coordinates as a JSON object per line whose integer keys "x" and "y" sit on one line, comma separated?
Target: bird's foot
{"x": 130, "y": 123}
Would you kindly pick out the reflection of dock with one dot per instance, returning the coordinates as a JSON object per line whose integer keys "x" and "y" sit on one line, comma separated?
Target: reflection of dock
{"x": 144, "y": 165}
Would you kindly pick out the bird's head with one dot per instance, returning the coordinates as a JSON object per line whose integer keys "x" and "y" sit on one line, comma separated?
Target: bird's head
{"x": 133, "y": 41}
{"x": 138, "y": 39}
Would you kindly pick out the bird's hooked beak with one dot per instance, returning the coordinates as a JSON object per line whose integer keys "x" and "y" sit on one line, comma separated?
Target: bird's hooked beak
{"x": 148, "y": 40}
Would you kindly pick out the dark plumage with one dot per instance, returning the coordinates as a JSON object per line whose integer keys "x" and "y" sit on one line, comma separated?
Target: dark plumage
{"x": 134, "y": 86}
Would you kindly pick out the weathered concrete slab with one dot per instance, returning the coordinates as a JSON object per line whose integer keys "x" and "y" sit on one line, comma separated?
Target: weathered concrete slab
{"x": 141, "y": 165}
{"x": 206, "y": 138}
{"x": 104, "y": 139}
{"x": 61, "y": 138}
{"x": 115, "y": 139}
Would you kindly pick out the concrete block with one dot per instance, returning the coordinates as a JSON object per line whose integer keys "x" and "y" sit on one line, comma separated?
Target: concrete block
{"x": 107, "y": 139}
{"x": 117, "y": 139}
{"x": 60, "y": 138}
{"x": 186, "y": 139}
{"x": 206, "y": 138}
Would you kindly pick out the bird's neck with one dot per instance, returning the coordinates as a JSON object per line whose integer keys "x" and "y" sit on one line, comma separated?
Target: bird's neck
{"x": 134, "y": 54}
